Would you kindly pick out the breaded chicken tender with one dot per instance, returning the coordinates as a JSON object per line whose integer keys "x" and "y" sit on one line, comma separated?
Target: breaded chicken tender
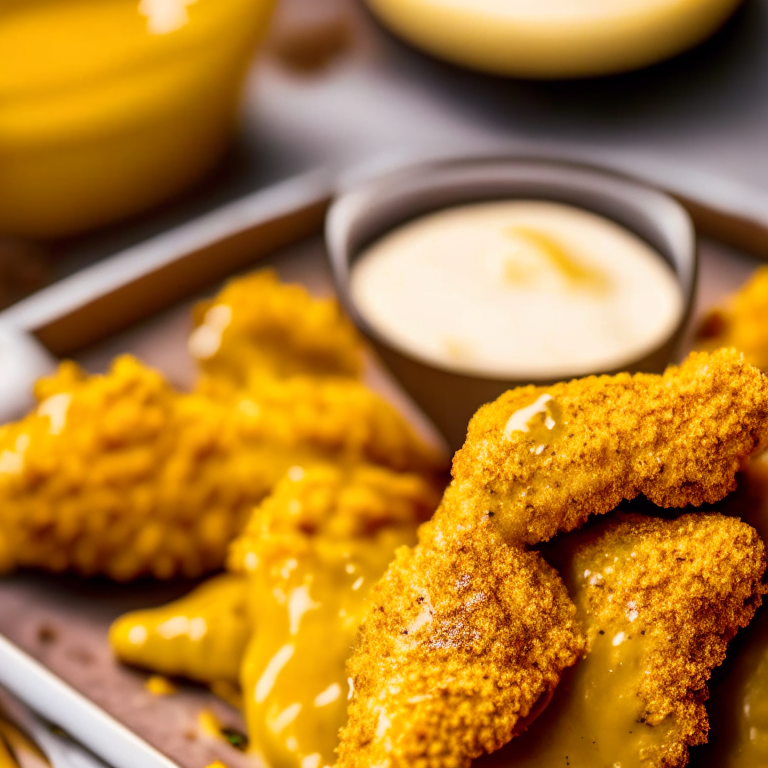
{"x": 437, "y": 686}
{"x": 120, "y": 475}
{"x": 464, "y": 637}
{"x": 349, "y": 420}
{"x": 301, "y": 572}
{"x": 543, "y": 460}
{"x": 326, "y": 501}
{"x": 741, "y": 322}
{"x": 286, "y": 359}
{"x": 660, "y": 600}
{"x": 259, "y": 326}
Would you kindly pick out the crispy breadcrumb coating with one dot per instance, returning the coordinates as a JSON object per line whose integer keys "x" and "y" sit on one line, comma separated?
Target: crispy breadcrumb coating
{"x": 325, "y": 501}
{"x": 281, "y": 356}
{"x": 257, "y": 325}
{"x": 661, "y": 599}
{"x": 545, "y": 459}
{"x": 535, "y": 462}
{"x": 741, "y": 322}
{"x": 121, "y": 475}
{"x": 464, "y": 636}
{"x": 343, "y": 416}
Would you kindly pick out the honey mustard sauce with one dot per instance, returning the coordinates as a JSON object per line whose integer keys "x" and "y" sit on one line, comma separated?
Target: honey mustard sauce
{"x": 294, "y": 675}
{"x": 540, "y": 422}
{"x": 595, "y": 718}
{"x": 111, "y": 106}
{"x": 202, "y": 636}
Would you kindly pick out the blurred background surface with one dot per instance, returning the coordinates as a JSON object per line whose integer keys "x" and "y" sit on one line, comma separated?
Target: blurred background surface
{"x": 330, "y": 87}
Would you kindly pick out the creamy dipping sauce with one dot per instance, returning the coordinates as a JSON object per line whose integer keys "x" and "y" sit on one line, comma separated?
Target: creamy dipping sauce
{"x": 519, "y": 289}
{"x": 554, "y": 38}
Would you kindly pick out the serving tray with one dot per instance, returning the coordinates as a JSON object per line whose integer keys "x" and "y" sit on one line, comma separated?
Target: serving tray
{"x": 62, "y": 622}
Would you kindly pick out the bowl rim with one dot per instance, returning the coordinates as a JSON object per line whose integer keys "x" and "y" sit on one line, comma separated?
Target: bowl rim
{"x": 367, "y": 209}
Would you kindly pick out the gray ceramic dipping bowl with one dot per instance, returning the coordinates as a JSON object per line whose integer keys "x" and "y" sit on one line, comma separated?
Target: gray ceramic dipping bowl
{"x": 365, "y": 212}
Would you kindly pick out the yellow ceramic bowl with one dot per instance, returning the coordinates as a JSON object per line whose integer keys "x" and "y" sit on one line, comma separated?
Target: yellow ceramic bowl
{"x": 112, "y": 106}
{"x": 554, "y": 38}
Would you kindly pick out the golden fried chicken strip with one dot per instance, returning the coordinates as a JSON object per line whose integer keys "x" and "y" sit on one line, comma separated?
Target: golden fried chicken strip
{"x": 660, "y": 600}
{"x": 535, "y": 462}
{"x": 331, "y": 502}
{"x": 301, "y": 570}
{"x": 543, "y": 460}
{"x": 121, "y": 475}
{"x": 465, "y": 635}
{"x": 741, "y": 322}
{"x": 259, "y": 326}
{"x": 293, "y": 361}
{"x": 312, "y": 552}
